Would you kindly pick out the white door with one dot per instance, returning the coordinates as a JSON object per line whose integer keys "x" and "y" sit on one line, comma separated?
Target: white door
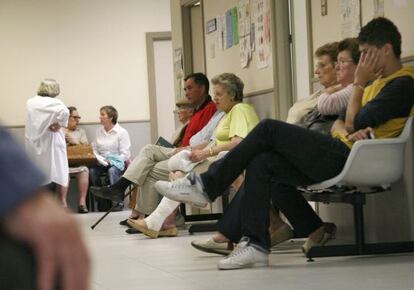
{"x": 164, "y": 88}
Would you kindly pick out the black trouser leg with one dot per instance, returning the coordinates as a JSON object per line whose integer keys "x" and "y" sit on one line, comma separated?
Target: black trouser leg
{"x": 230, "y": 223}
{"x": 317, "y": 156}
{"x": 263, "y": 183}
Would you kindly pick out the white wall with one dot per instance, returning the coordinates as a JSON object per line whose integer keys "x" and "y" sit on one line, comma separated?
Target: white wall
{"x": 327, "y": 28}
{"x": 301, "y": 49}
{"x": 94, "y": 48}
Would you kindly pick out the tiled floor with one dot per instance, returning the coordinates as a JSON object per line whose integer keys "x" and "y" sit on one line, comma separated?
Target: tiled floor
{"x": 123, "y": 262}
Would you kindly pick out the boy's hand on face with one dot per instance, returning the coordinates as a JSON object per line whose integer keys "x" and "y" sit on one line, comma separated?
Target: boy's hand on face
{"x": 367, "y": 68}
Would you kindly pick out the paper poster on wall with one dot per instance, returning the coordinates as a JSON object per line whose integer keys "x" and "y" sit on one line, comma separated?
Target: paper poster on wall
{"x": 378, "y": 8}
{"x": 243, "y": 10}
{"x": 399, "y": 3}
{"x": 229, "y": 29}
{"x": 263, "y": 37}
{"x": 267, "y": 31}
{"x": 252, "y": 36}
{"x": 220, "y": 32}
{"x": 350, "y": 18}
{"x": 179, "y": 71}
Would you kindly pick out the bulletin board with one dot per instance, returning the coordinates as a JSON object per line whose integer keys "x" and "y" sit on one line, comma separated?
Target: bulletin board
{"x": 238, "y": 40}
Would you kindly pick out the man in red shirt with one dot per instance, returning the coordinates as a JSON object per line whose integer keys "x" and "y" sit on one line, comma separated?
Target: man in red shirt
{"x": 151, "y": 164}
{"x": 196, "y": 91}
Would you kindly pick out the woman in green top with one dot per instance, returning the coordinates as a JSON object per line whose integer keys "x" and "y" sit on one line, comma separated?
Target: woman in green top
{"x": 239, "y": 120}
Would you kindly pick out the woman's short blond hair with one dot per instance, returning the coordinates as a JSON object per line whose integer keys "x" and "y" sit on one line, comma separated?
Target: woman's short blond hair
{"x": 48, "y": 88}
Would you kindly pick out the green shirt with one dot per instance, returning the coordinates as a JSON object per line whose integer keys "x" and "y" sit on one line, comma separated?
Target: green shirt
{"x": 241, "y": 119}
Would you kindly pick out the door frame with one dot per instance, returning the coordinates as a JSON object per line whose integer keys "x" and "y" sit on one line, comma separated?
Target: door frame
{"x": 186, "y": 32}
{"x": 152, "y": 37}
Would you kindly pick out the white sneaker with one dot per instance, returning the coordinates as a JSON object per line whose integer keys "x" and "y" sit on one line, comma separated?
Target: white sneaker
{"x": 187, "y": 190}
{"x": 244, "y": 256}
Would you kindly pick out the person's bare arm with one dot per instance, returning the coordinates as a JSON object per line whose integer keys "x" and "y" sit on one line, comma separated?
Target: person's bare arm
{"x": 339, "y": 126}
{"x": 56, "y": 242}
{"x": 196, "y": 147}
{"x": 199, "y": 155}
{"x": 332, "y": 89}
{"x": 54, "y": 127}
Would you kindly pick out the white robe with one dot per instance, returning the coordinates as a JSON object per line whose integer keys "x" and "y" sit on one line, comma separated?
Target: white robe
{"x": 46, "y": 148}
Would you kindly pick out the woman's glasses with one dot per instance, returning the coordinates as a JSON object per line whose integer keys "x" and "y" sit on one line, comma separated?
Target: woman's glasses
{"x": 343, "y": 62}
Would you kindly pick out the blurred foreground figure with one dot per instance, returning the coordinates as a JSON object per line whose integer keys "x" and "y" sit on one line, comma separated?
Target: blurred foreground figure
{"x": 40, "y": 244}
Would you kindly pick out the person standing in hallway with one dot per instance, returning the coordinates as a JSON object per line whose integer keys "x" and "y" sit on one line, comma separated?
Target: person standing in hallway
{"x": 45, "y": 140}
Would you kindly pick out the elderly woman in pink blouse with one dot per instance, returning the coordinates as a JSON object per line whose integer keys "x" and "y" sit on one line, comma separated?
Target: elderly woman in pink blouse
{"x": 334, "y": 99}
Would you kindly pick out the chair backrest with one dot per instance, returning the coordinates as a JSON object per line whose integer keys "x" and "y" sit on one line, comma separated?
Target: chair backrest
{"x": 373, "y": 162}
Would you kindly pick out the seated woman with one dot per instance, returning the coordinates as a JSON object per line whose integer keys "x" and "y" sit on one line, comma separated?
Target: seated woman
{"x": 330, "y": 103}
{"x": 111, "y": 147}
{"x": 239, "y": 120}
{"x": 75, "y": 136}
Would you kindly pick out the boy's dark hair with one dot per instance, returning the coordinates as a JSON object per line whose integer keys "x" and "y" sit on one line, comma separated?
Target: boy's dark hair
{"x": 350, "y": 45}
{"x": 380, "y": 31}
{"x": 200, "y": 79}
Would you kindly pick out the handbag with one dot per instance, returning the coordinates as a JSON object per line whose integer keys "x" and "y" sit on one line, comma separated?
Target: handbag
{"x": 315, "y": 121}
{"x": 81, "y": 154}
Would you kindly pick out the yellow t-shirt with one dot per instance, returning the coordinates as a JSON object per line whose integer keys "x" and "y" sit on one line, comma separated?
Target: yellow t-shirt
{"x": 241, "y": 119}
{"x": 391, "y": 128}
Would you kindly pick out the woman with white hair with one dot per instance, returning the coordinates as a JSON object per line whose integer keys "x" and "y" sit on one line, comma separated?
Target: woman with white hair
{"x": 45, "y": 140}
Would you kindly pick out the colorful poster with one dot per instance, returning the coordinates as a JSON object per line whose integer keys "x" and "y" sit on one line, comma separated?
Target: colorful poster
{"x": 350, "y": 18}
{"x": 262, "y": 32}
{"x": 243, "y": 10}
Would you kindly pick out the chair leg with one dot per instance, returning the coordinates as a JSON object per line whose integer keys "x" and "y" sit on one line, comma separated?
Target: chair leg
{"x": 359, "y": 227}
